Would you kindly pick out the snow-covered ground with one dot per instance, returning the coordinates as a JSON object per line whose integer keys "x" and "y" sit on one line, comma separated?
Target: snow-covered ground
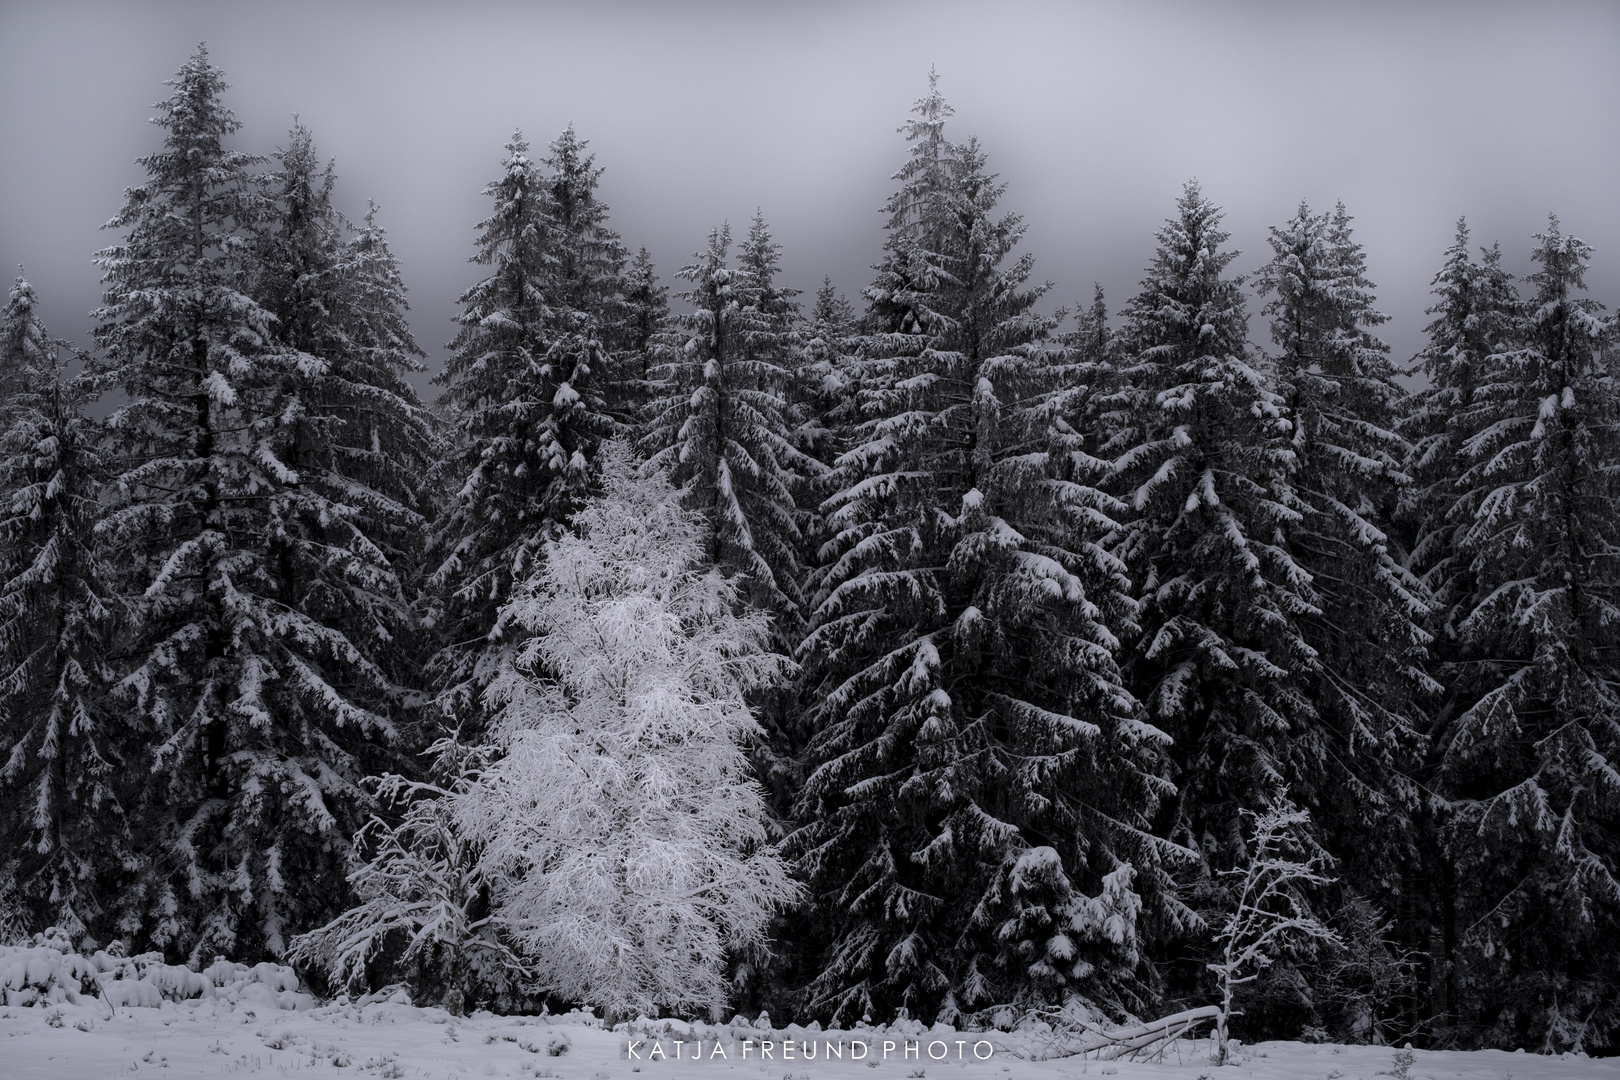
{"x": 217, "y": 1037}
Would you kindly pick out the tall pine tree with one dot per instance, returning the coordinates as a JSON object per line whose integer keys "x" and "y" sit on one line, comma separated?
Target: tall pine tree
{"x": 980, "y": 782}
{"x": 596, "y": 324}
{"x": 63, "y": 823}
{"x": 718, "y": 421}
{"x": 1091, "y": 339}
{"x": 346, "y": 533}
{"x": 1474, "y": 315}
{"x": 521, "y": 387}
{"x": 507, "y": 479}
{"x": 259, "y": 714}
{"x": 646, "y": 306}
{"x": 1201, "y": 454}
{"x": 1531, "y": 759}
{"x": 1368, "y": 682}
{"x": 822, "y": 409}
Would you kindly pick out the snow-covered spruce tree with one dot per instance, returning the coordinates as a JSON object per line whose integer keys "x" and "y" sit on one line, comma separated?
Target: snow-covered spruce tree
{"x": 1474, "y": 315}
{"x": 590, "y": 257}
{"x": 257, "y": 714}
{"x": 424, "y": 904}
{"x": 28, "y": 353}
{"x": 520, "y": 390}
{"x": 977, "y": 772}
{"x": 822, "y": 407}
{"x": 508, "y": 482}
{"x": 717, "y": 422}
{"x": 63, "y": 827}
{"x": 1091, "y": 340}
{"x": 346, "y": 533}
{"x": 1338, "y": 385}
{"x": 595, "y": 325}
{"x": 646, "y": 306}
{"x": 1531, "y": 757}
{"x": 777, "y": 337}
{"x": 759, "y": 261}
{"x": 1091, "y": 376}
{"x": 335, "y": 288}
{"x": 1202, "y": 455}
{"x": 623, "y": 838}
{"x": 387, "y": 440}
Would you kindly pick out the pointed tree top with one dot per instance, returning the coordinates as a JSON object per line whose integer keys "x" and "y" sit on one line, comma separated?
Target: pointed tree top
{"x": 1563, "y": 260}
{"x": 931, "y": 109}
{"x": 197, "y": 73}
{"x": 194, "y": 106}
{"x": 573, "y": 169}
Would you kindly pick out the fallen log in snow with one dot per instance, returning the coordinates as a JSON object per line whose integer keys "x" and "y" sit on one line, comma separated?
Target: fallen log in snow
{"x": 1151, "y": 1038}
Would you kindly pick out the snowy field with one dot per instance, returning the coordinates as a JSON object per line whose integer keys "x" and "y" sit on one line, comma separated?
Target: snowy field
{"x": 255, "y": 1036}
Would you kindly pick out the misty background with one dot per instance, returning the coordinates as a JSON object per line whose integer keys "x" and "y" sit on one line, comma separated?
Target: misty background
{"x": 1095, "y": 114}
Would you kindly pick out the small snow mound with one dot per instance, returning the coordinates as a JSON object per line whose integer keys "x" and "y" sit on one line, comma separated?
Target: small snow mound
{"x": 48, "y": 971}
{"x": 41, "y": 974}
{"x": 224, "y": 973}
{"x": 274, "y": 976}
{"x": 132, "y": 994}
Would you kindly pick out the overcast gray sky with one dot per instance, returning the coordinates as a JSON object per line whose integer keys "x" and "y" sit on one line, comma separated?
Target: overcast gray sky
{"x": 1095, "y": 114}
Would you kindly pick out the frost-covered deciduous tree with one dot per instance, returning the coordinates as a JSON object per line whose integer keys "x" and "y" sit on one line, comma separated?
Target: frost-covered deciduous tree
{"x": 63, "y": 825}
{"x": 423, "y": 901}
{"x": 258, "y": 713}
{"x": 961, "y": 655}
{"x": 623, "y": 838}
{"x": 1270, "y": 913}
{"x": 1530, "y": 758}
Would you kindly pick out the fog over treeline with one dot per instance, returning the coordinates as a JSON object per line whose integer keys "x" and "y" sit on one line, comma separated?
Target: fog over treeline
{"x": 1411, "y": 114}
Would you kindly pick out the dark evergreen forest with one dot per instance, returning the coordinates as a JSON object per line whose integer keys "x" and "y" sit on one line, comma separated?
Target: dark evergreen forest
{"x": 1055, "y": 608}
